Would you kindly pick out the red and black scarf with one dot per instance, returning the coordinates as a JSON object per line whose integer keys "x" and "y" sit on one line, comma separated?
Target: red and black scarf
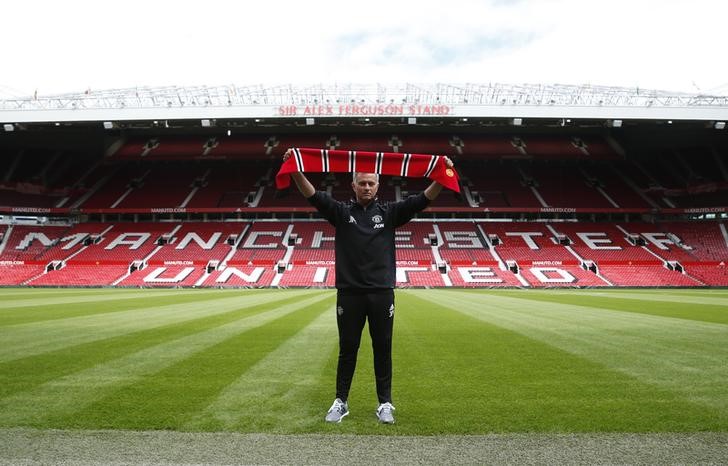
{"x": 382, "y": 163}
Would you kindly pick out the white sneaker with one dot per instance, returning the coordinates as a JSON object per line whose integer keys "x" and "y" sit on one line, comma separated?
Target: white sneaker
{"x": 384, "y": 413}
{"x": 338, "y": 411}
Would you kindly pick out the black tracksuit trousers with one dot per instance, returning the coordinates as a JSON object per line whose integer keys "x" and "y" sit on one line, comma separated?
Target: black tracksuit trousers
{"x": 353, "y": 308}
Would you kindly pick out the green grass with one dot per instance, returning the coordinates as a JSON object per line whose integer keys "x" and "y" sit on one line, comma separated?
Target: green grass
{"x": 465, "y": 361}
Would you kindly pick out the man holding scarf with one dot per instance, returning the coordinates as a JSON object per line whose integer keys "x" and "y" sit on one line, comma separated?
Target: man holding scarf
{"x": 365, "y": 276}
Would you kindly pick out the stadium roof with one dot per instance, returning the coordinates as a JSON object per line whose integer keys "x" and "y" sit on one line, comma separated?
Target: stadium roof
{"x": 365, "y": 100}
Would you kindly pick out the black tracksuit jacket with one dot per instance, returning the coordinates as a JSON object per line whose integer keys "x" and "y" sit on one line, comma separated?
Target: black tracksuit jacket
{"x": 365, "y": 249}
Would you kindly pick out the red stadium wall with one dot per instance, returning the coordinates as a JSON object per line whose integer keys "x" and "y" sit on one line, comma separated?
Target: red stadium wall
{"x": 430, "y": 254}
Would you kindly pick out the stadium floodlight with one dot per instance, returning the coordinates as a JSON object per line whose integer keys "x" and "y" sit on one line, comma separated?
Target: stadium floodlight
{"x": 411, "y": 121}
{"x": 108, "y": 125}
{"x": 9, "y": 127}
{"x": 310, "y": 121}
{"x": 517, "y": 121}
{"x": 616, "y": 123}
{"x": 719, "y": 125}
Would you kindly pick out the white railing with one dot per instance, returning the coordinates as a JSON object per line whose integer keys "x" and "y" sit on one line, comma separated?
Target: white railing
{"x": 528, "y": 95}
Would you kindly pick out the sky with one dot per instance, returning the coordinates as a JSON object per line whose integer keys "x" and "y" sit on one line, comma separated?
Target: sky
{"x": 53, "y": 47}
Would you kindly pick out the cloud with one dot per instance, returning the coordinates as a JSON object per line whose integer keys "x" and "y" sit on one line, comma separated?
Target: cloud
{"x": 424, "y": 51}
{"x": 69, "y": 46}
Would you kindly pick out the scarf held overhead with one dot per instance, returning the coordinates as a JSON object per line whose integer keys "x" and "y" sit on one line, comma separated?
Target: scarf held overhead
{"x": 382, "y": 163}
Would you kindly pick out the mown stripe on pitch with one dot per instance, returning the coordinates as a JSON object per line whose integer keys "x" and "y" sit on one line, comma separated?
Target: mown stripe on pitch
{"x": 35, "y": 293}
{"x": 669, "y": 290}
{"x": 27, "y": 290}
{"x": 167, "y": 398}
{"x": 704, "y": 309}
{"x": 272, "y": 394}
{"x": 63, "y": 396}
{"x": 657, "y": 302}
{"x": 702, "y": 291}
{"x": 699, "y": 296}
{"x": 459, "y": 373}
{"x": 684, "y": 356}
{"x": 109, "y": 295}
{"x": 29, "y": 339}
{"x": 26, "y": 373}
{"x": 103, "y": 305}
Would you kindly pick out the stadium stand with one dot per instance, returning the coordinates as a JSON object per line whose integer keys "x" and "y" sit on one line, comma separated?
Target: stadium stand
{"x": 710, "y": 274}
{"x": 265, "y": 243}
{"x": 291, "y": 199}
{"x": 14, "y": 274}
{"x": 29, "y": 242}
{"x": 537, "y": 210}
{"x": 603, "y": 243}
{"x": 616, "y": 187}
{"x": 116, "y": 185}
{"x": 645, "y": 275}
{"x": 242, "y": 276}
{"x": 499, "y": 184}
{"x": 81, "y": 275}
{"x": 707, "y": 241}
{"x": 565, "y": 186}
{"x": 524, "y": 243}
{"x": 561, "y": 276}
{"x": 72, "y": 241}
{"x": 307, "y": 275}
{"x": 164, "y": 276}
{"x": 483, "y": 276}
{"x": 162, "y": 187}
{"x": 430, "y": 253}
{"x": 462, "y": 243}
{"x": 197, "y": 243}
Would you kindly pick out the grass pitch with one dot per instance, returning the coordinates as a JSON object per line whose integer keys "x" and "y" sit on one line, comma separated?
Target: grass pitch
{"x": 465, "y": 361}
{"x": 229, "y": 376}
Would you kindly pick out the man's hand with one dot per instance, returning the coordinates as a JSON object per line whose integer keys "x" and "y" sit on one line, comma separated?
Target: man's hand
{"x": 435, "y": 188}
{"x": 304, "y": 186}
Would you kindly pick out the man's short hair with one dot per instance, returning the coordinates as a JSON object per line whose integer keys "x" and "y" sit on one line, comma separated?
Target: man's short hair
{"x": 353, "y": 177}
